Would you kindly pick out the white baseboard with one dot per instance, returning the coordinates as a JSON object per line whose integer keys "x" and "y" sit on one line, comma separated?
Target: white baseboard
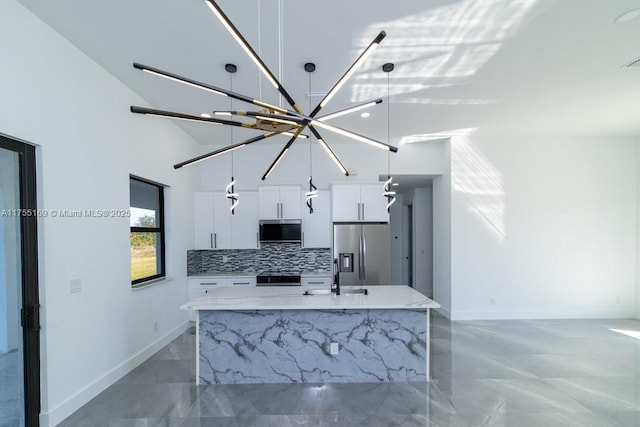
{"x": 443, "y": 311}
{"x": 55, "y": 415}
{"x": 531, "y": 315}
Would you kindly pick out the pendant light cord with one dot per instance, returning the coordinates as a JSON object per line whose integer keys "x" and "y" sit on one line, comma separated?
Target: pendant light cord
{"x": 231, "y": 127}
{"x": 388, "y": 128}
{"x": 310, "y": 162}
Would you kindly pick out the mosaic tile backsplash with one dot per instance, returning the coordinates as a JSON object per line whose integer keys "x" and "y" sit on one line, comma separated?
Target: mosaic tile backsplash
{"x": 286, "y": 258}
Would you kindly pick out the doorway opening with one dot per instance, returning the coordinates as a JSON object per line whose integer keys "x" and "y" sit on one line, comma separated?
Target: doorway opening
{"x": 19, "y": 301}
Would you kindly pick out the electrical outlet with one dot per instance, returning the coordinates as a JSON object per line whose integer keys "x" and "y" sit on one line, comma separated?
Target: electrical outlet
{"x": 225, "y": 259}
{"x": 75, "y": 286}
{"x": 334, "y": 348}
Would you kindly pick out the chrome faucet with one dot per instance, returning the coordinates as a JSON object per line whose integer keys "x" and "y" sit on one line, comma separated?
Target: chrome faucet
{"x": 335, "y": 287}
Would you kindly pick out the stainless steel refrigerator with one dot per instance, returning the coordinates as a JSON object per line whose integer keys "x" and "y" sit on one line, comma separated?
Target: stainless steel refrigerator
{"x": 361, "y": 253}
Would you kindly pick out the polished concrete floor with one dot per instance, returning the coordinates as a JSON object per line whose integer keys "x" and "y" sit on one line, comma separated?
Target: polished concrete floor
{"x": 10, "y": 389}
{"x": 485, "y": 373}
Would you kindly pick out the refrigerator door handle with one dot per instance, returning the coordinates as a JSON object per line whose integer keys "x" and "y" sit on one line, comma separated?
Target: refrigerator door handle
{"x": 362, "y": 252}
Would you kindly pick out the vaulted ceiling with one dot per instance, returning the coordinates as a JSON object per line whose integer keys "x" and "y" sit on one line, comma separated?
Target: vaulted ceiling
{"x": 549, "y": 67}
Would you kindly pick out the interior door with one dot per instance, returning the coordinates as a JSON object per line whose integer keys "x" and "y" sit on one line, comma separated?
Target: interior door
{"x": 19, "y": 308}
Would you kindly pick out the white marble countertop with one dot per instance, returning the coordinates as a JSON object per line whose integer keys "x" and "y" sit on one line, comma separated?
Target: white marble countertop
{"x": 292, "y": 298}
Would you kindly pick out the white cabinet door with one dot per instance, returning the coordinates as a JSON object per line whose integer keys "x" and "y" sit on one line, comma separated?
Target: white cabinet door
{"x": 244, "y": 223}
{"x": 373, "y": 203}
{"x": 269, "y": 200}
{"x": 279, "y": 202}
{"x": 359, "y": 202}
{"x": 346, "y": 202}
{"x": 290, "y": 202}
{"x": 316, "y": 227}
{"x": 221, "y": 221}
{"x": 203, "y": 220}
{"x": 316, "y": 281}
{"x": 242, "y": 281}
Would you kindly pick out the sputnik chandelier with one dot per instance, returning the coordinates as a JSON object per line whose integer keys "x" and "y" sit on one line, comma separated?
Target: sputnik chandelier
{"x": 270, "y": 119}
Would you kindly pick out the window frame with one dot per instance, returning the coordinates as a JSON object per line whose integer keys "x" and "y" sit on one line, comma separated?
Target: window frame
{"x": 160, "y": 230}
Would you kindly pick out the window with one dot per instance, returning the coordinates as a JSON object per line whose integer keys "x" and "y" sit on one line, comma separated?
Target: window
{"x": 147, "y": 230}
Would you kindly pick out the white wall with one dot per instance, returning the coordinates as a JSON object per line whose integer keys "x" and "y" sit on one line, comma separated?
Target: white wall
{"x": 89, "y": 143}
{"x": 442, "y": 245}
{"x": 422, "y": 202}
{"x": 638, "y": 229}
{"x": 396, "y": 241}
{"x": 543, "y": 227}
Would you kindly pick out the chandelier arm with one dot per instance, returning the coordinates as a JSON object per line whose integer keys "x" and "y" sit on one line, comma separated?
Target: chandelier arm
{"x": 350, "y": 134}
{"x": 183, "y": 116}
{"x": 296, "y": 120}
{"x": 210, "y": 88}
{"x": 224, "y": 150}
{"x": 350, "y": 110}
{"x": 352, "y": 69}
{"x": 224, "y": 19}
{"x": 282, "y": 153}
{"x": 329, "y": 151}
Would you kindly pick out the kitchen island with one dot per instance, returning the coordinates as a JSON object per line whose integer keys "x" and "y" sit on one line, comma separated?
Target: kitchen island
{"x": 279, "y": 335}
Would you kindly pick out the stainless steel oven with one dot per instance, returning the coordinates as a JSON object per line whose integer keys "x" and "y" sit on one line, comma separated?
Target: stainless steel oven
{"x": 277, "y": 279}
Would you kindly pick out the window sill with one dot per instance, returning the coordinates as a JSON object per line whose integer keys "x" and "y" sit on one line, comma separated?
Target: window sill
{"x": 153, "y": 282}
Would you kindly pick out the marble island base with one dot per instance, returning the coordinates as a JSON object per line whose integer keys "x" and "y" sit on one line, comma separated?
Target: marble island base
{"x": 280, "y": 346}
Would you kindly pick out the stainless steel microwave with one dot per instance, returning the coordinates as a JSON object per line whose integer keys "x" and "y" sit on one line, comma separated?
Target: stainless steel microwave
{"x": 281, "y": 230}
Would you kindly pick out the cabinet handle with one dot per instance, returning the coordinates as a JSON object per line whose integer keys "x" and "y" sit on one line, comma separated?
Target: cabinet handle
{"x": 316, "y": 283}
{"x": 211, "y": 238}
{"x": 215, "y": 240}
{"x": 303, "y": 239}
{"x": 362, "y": 212}
{"x": 257, "y": 240}
{"x": 208, "y": 283}
{"x": 241, "y": 283}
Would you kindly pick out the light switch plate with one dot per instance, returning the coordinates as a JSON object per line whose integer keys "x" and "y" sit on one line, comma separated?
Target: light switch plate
{"x": 75, "y": 286}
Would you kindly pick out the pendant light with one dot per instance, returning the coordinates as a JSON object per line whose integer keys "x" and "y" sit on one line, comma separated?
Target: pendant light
{"x": 386, "y": 187}
{"x": 230, "y": 189}
{"x": 310, "y": 67}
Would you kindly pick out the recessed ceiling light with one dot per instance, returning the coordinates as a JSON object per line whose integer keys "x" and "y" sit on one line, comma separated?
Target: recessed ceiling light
{"x": 205, "y": 115}
{"x": 365, "y": 115}
{"x": 628, "y": 16}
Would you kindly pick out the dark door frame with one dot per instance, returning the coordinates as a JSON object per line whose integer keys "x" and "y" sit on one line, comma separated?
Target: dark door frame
{"x": 30, "y": 313}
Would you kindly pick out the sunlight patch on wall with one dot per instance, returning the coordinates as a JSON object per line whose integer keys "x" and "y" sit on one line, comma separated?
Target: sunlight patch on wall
{"x": 442, "y": 46}
{"x": 633, "y": 334}
{"x": 436, "y": 136}
{"x": 480, "y": 183}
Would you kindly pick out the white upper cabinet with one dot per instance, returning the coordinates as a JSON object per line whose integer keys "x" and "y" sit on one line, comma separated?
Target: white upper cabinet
{"x": 203, "y": 220}
{"x": 374, "y": 204}
{"x": 359, "y": 202}
{"x": 316, "y": 226}
{"x": 221, "y": 221}
{"x": 215, "y": 226}
{"x": 280, "y": 202}
{"x": 244, "y": 224}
